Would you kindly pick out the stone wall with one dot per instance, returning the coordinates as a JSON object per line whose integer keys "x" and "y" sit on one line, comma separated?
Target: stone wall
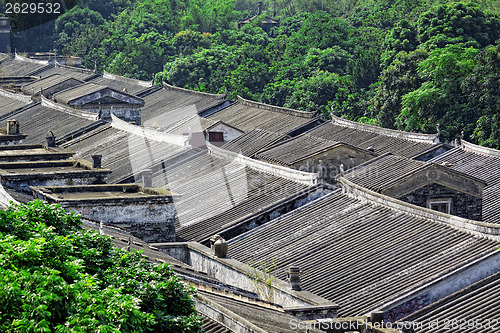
{"x": 23, "y": 183}
{"x": 463, "y": 205}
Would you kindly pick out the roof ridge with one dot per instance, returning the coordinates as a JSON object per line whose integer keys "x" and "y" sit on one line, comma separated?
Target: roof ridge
{"x": 477, "y": 228}
{"x": 481, "y": 150}
{"x": 138, "y": 82}
{"x": 167, "y": 86}
{"x": 74, "y": 69}
{"x": 410, "y": 136}
{"x": 274, "y": 108}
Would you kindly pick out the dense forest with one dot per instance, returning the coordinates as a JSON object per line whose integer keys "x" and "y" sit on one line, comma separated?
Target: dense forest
{"x": 404, "y": 64}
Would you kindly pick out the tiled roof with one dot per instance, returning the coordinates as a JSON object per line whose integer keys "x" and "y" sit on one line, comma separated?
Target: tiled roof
{"x": 365, "y": 139}
{"x": 484, "y": 167}
{"x": 296, "y": 149}
{"x": 120, "y": 85}
{"x": 14, "y": 67}
{"x": 8, "y": 105}
{"x": 37, "y": 120}
{"x": 388, "y": 171}
{"x": 252, "y": 142}
{"x": 247, "y": 115}
{"x": 67, "y": 71}
{"x": 474, "y": 309}
{"x": 76, "y": 92}
{"x": 164, "y": 107}
{"x": 215, "y": 193}
{"x": 46, "y": 82}
{"x": 123, "y": 153}
{"x": 358, "y": 254}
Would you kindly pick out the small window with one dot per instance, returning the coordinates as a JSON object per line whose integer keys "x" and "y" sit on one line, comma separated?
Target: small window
{"x": 440, "y": 205}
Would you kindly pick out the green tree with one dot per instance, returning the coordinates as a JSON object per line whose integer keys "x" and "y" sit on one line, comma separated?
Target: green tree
{"x": 57, "y": 277}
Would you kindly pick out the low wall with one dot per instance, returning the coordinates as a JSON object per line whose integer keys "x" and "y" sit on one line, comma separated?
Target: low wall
{"x": 306, "y": 178}
{"x": 66, "y": 109}
{"x": 417, "y": 137}
{"x": 151, "y": 134}
{"x": 141, "y": 83}
{"x": 467, "y": 146}
{"x": 235, "y": 273}
{"x": 17, "y": 97}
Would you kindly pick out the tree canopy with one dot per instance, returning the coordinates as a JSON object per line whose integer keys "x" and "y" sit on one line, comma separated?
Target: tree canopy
{"x": 56, "y": 276}
{"x": 403, "y": 64}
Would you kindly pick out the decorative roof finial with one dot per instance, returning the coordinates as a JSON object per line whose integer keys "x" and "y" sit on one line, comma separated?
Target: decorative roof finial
{"x": 462, "y": 135}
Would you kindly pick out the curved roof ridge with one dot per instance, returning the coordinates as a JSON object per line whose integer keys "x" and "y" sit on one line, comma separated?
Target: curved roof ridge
{"x": 473, "y": 148}
{"x": 170, "y": 87}
{"x": 274, "y": 108}
{"x": 34, "y": 61}
{"x": 417, "y": 137}
{"x": 478, "y": 228}
{"x": 138, "y": 82}
{"x": 74, "y": 69}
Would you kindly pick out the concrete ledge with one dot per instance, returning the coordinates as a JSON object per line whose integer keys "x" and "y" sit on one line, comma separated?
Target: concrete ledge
{"x": 417, "y": 137}
{"x": 273, "y": 108}
{"x": 483, "y": 229}
{"x": 306, "y": 178}
{"x": 470, "y": 147}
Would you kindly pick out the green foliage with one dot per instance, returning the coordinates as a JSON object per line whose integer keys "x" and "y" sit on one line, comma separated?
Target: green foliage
{"x": 57, "y": 277}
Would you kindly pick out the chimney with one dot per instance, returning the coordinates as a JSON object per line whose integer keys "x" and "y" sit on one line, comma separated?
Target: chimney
{"x": 377, "y": 317}
{"x": 147, "y": 178}
{"x": 51, "y": 139}
{"x": 293, "y": 277}
{"x": 12, "y": 127}
{"x": 97, "y": 159}
{"x": 219, "y": 246}
{"x": 259, "y": 7}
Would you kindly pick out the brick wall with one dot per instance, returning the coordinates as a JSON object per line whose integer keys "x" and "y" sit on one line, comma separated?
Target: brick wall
{"x": 463, "y": 205}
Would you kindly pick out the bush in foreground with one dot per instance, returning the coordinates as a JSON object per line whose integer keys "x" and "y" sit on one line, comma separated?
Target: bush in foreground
{"x": 56, "y": 276}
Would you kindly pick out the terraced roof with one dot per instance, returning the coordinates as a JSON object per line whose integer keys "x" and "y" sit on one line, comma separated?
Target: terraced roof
{"x": 37, "y": 120}
{"x": 67, "y": 71}
{"x": 358, "y": 254}
{"x": 15, "y": 67}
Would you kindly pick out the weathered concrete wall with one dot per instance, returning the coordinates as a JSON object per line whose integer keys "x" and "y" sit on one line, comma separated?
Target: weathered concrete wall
{"x": 462, "y": 204}
{"x": 152, "y": 222}
{"x": 329, "y": 167}
{"x": 233, "y": 272}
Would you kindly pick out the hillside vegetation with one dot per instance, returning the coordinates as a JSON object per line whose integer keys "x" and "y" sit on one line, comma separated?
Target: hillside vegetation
{"x": 404, "y": 64}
